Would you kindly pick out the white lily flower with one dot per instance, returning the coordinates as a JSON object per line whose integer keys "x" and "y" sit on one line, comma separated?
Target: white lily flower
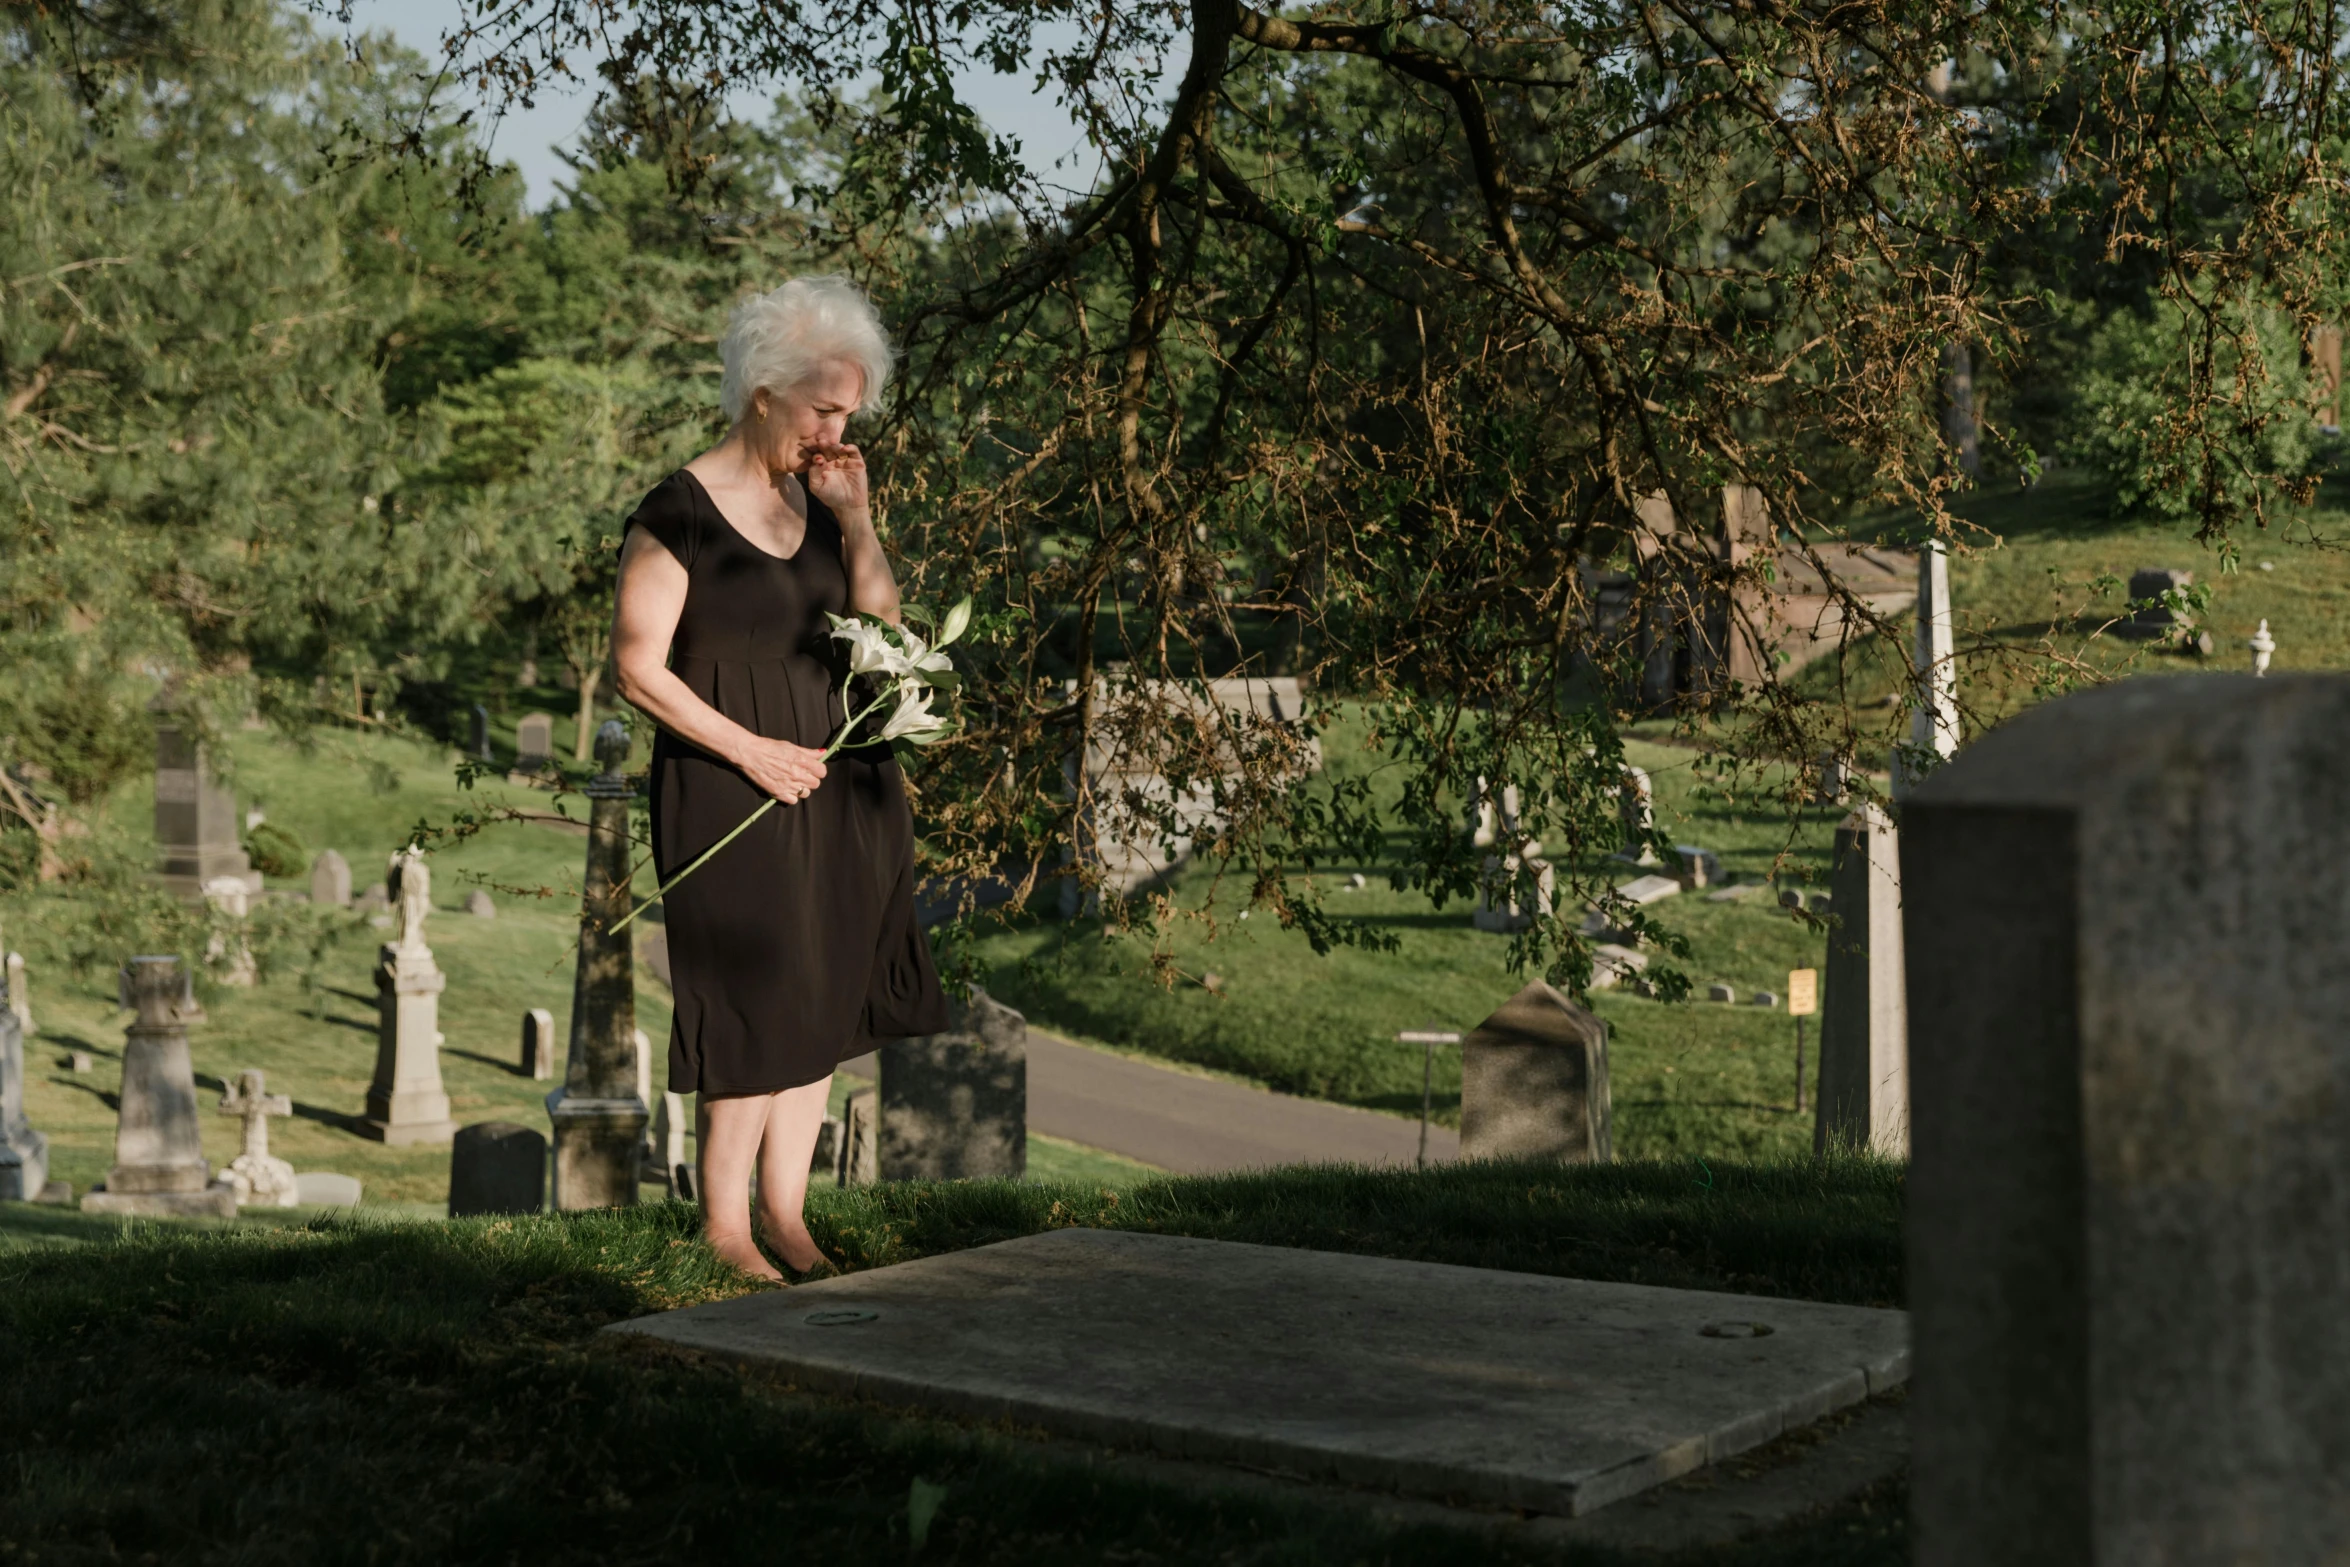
{"x": 921, "y": 663}
{"x": 913, "y": 720}
{"x": 869, "y": 648}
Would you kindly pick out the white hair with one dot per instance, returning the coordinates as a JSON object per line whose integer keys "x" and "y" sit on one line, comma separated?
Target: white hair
{"x": 781, "y": 340}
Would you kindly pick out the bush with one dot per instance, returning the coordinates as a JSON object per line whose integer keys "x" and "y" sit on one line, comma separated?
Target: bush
{"x": 2133, "y": 425}
{"x": 276, "y": 852}
{"x": 81, "y": 734}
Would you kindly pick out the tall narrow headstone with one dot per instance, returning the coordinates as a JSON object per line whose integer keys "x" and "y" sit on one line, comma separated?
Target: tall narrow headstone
{"x": 330, "y": 880}
{"x": 669, "y": 1127}
{"x": 2126, "y": 1210}
{"x": 538, "y": 1044}
{"x": 1864, "y": 1036}
{"x": 159, "y": 1164}
{"x": 497, "y": 1167}
{"x": 481, "y": 733}
{"x": 954, "y": 1106}
{"x": 1534, "y": 1082}
{"x": 259, "y": 1178}
{"x": 195, "y": 815}
{"x": 599, "y": 1117}
{"x": 1636, "y": 812}
{"x": 1933, "y": 722}
{"x": 24, "y": 1153}
{"x": 20, "y": 995}
{"x": 860, "y": 1156}
{"x": 405, "y": 1102}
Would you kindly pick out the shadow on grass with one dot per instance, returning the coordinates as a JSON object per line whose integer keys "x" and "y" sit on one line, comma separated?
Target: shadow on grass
{"x": 435, "y": 1391}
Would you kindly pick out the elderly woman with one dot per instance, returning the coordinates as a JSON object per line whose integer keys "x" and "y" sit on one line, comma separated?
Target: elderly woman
{"x": 795, "y": 947}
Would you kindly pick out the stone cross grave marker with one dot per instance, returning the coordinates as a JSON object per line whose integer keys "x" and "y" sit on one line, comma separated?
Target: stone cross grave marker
{"x": 497, "y": 1167}
{"x": 159, "y": 1165}
{"x": 538, "y": 1044}
{"x": 1864, "y": 1038}
{"x": 259, "y": 1179}
{"x": 406, "y": 1102}
{"x": 954, "y": 1106}
{"x": 24, "y": 1152}
{"x": 1534, "y": 1082}
{"x": 330, "y": 880}
{"x": 2126, "y": 1231}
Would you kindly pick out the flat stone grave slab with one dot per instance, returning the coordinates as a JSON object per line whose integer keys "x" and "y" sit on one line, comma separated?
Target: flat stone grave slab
{"x": 1469, "y": 1384}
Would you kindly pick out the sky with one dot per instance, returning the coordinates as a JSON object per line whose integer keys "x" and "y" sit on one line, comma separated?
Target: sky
{"x": 1011, "y": 106}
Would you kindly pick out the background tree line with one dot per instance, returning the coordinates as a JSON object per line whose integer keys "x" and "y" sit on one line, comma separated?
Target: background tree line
{"x": 1357, "y": 361}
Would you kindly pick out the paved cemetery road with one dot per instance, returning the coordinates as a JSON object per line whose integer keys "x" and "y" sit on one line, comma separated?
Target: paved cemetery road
{"x": 1198, "y": 1125}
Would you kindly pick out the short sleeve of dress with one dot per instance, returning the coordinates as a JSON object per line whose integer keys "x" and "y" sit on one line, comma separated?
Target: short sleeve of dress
{"x": 672, "y": 515}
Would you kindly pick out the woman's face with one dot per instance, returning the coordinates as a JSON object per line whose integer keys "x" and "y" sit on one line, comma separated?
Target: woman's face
{"x": 794, "y": 425}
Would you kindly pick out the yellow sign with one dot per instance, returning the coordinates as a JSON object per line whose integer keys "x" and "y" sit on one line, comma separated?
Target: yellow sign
{"x": 1803, "y": 992}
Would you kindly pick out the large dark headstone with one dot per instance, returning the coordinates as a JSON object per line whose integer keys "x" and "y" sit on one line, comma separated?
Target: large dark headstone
{"x": 1534, "y": 1082}
{"x": 2126, "y": 1210}
{"x": 497, "y": 1167}
{"x": 954, "y": 1106}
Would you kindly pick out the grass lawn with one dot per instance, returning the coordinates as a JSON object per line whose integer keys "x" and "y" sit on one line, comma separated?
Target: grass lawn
{"x": 433, "y": 1391}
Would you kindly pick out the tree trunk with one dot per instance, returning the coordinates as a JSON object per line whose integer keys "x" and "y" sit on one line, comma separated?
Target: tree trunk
{"x": 591, "y": 675}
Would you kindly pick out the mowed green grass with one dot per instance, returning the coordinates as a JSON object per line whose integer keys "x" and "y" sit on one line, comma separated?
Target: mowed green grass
{"x": 360, "y": 795}
{"x": 436, "y": 1392}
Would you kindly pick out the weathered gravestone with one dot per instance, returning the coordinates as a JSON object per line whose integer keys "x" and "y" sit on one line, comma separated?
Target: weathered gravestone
{"x": 20, "y": 995}
{"x": 670, "y": 1165}
{"x": 1534, "y": 1082}
{"x": 538, "y": 1044}
{"x": 859, "y": 1152}
{"x": 330, "y": 880}
{"x": 195, "y": 815}
{"x": 406, "y": 1102}
{"x": 2126, "y": 1210}
{"x": 497, "y": 1167}
{"x": 599, "y": 1113}
{"x": 1864, "y": 1038}
{"x": 534, "y": 741}
{"x": 479, "y": 904}
{"x": 954, "y": 1106}
{"x": 258, "y": 1177}
{"x": 24, "y": 1153}
{"x": 159, "y": 1166}
{"x": 2150, "y": 583}
{"x": 481, "y": 733}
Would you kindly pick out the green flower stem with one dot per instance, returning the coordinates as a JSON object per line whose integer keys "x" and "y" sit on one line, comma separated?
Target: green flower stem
{"x": 766, "y": 805}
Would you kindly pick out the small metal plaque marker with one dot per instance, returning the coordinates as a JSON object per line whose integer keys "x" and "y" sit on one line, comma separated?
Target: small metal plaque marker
{"x": 841, "y": 1317}
{"x": 1803, "y": 992}
{"x": 1736, "y": 1330}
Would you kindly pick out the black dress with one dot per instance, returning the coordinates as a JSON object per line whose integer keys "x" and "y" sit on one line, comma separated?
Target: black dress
{"x": 796, "y": 947}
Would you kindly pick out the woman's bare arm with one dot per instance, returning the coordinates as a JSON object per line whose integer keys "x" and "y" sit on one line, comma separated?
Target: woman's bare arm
{"x": 651, "y": 598}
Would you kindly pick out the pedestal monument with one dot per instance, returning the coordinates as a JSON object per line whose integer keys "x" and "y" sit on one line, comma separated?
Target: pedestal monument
{"x": 159, "y": 1165}
{"x": 195, "y": 815}
{"x": 405, "y": 1102}
{"x": 598, "y": 1115}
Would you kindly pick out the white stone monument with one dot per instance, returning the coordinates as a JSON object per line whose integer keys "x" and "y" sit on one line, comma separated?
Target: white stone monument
{"x": 228, "y": 952}
{"x": 405, "y": 1102}
{"x": 1933, "y": 722}
{"x": 1502, "y": 904}
{"x": 260, "y": 1179}
{"x": 20, "y": 995}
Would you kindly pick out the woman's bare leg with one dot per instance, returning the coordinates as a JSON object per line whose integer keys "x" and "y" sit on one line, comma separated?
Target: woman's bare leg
{"x": 793, "y": 1118}
{"x": 731, "y": 1130}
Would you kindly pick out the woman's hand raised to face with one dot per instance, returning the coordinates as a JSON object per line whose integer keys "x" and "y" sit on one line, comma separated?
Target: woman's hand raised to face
{"x": 788, "y": 772}
{"x": 835, "y": 475}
